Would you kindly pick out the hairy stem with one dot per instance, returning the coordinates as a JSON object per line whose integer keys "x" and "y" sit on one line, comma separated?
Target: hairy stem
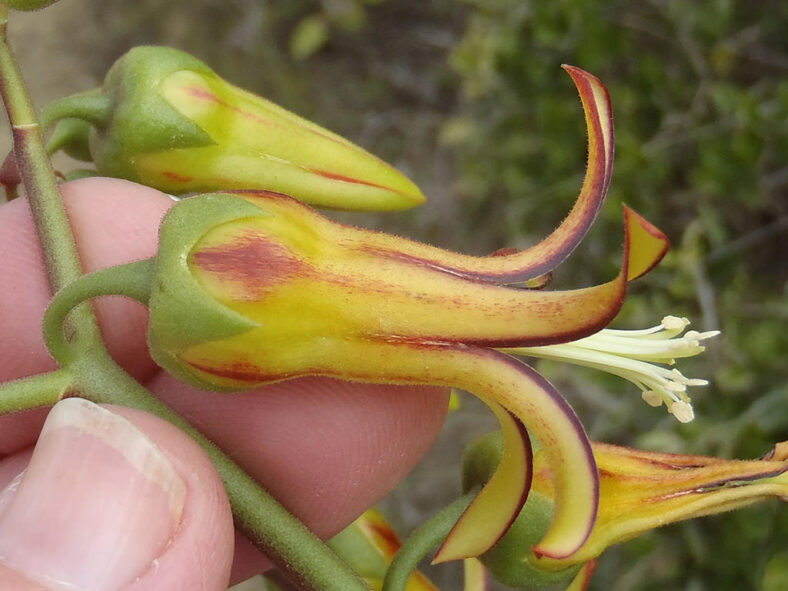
{"x": 431, "y": 533}
{"x": 57, "y": 242}
{"x": 54, "y": 232}
{"x": 35, "y": 391}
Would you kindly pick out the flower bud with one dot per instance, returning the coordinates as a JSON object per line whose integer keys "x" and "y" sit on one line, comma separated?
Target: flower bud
{"x": 165, "y": 119}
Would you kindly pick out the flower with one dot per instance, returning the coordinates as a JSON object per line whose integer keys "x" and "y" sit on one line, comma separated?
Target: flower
{"x": 639, "y": 490}
{"x": 165, "y": 119}
{"x": 253, "y": 287}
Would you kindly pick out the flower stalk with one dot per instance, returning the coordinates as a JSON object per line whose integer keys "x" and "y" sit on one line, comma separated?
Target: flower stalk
{"x": 165, "y": 119}
{"x": 36, "y": 391}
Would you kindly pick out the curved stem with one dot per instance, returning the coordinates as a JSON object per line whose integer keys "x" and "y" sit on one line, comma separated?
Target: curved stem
{"x": 423, "y": 539}
{"x": 35, "y": 391}
{"x": 132, "y": 280}
{"x": 92, "y": 106}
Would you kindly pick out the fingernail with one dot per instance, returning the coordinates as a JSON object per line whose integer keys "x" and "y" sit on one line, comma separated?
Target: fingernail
{"x": 97, "y": 504}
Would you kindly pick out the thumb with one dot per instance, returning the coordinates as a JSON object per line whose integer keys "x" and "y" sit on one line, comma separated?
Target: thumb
{"x": 111, "y": 502}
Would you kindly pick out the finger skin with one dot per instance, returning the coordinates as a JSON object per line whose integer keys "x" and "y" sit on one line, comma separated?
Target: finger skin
{"x": 327, "y": 449}
{"x": 199, "y": 555}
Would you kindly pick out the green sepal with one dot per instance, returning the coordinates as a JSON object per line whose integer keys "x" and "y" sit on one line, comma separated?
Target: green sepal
{"x": 92, "y": 106}
{"x": 181, "y": 313}
{"x": 481, "y": 458}
{"x": 142, "y": 121}
{"x": 511, "y": 561}
{"x": 72, "y": 136}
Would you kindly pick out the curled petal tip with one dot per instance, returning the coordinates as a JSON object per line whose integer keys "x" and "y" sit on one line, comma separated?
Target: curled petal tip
{"x": 576, "y": 73}
{"x": 647, "y": 244}
{"x": 494, "y": 509}
{"x": 517, "y": 267}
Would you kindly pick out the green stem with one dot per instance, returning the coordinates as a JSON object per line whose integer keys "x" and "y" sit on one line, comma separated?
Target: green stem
{"x": 36, "y": 391}
{"x": 132, "y": 280}
{"x": 92, "y": 106}
{"x": 422, "y": 540}
{"x": 57, "y": 242}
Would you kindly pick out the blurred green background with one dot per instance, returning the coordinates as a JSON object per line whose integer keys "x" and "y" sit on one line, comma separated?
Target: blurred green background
{"x": 467, "y": 97}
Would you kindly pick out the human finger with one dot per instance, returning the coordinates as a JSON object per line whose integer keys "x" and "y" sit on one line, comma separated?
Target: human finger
{"x": 113, "y": 499}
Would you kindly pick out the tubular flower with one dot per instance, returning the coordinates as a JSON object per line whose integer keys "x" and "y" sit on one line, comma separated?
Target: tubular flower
{"x": 165, "y": 119}
{"x": 368, "y": 545}
{"x": 639, "y": 490}
{"x": 280, "y": 291}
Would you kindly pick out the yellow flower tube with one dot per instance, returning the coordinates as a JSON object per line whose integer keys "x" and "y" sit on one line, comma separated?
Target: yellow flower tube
{"x": 639, "y": 491}
{"x": 165, "y": 119}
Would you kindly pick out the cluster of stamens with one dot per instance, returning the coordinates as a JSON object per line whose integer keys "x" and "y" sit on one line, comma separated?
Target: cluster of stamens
{"x": 644, "y": 357}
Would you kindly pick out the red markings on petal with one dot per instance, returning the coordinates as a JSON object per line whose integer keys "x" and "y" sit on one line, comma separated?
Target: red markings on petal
{"x": 203, "y": 93}
{"x": 251, "y": 261}
{"x": 347, "y": 179}
{"x": 236, "y": 371}
{"x": 583, "y": 578}
{"x": 383, "y": 536}
{"x": 174, "y": 176}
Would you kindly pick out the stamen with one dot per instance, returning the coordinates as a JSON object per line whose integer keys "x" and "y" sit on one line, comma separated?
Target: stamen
{"x": 682, "y": 411}
{"x": 634, "y": 355}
